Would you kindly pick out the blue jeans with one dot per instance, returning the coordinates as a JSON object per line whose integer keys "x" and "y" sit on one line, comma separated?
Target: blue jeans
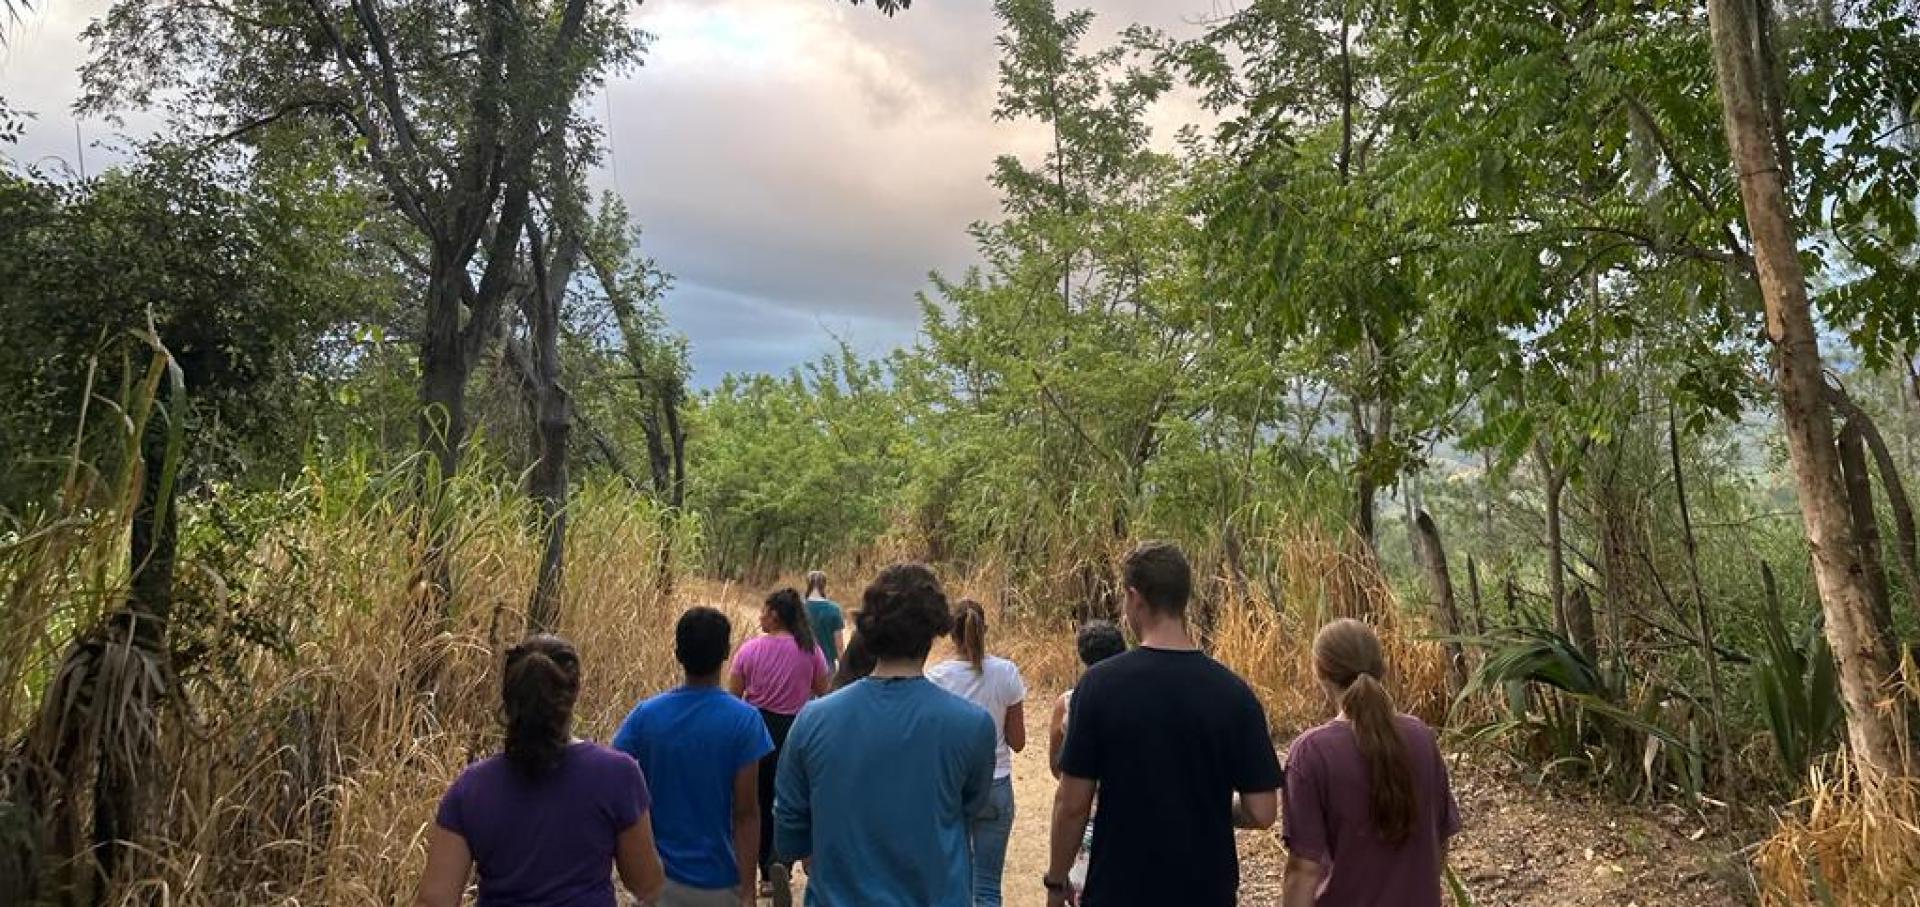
{"x": 989, "y": 833}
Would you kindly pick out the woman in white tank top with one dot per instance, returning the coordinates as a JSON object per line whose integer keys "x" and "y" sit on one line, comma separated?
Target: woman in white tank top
{"x": 993, "y": 684}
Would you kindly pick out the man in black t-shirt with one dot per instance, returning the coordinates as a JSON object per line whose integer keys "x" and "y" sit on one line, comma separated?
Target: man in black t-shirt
{"x": 1176, "y": 748}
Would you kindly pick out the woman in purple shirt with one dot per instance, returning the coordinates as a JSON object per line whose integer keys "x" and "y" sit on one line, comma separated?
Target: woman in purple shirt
{"x": 548, "y": 820}
{"x": 1368, "y": 809}
{"x": 777, "y": 673}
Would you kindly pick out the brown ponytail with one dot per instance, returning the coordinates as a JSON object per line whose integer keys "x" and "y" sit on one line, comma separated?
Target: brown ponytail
{"x": 970, "y": 633}
{"x": 1347, "y": 655}
{"x": 538, "y": 688}
{"x": 817, "y": 583}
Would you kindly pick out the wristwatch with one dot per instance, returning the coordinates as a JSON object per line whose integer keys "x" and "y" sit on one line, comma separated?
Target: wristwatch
{"x": 1054, "y": 884}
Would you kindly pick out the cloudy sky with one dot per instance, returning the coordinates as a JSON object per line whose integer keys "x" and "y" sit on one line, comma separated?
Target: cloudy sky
{"x": 798, "y": 165}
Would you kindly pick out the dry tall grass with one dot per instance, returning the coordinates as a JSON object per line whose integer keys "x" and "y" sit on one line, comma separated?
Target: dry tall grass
{"x": 1317, "y": 577}
{"x": 1851, "y": 841}
{"x": 310, "y": 776}
{"x": 1848, "y": 843}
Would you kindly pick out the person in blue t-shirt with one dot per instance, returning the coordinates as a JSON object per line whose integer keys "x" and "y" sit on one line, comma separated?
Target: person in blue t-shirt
{"x": 700, "y": 748}
{"x": 904, "y": 764}
{"x": 829, "y": 623}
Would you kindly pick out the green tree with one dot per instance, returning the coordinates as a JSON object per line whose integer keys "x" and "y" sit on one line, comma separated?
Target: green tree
{"x": 232, "y": 275}
{"x": 446, "y": 107}
{"x": 1047, "y": 372}
{"x": 799, "y": 468}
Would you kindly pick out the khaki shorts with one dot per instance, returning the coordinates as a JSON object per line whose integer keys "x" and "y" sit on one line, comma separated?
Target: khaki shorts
{"x": 678, "y": 895}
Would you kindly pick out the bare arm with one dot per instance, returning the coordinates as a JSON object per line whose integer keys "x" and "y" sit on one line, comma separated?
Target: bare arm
{"x": 1302, "y": 882}
{"x": 1256, "y": 810}
{"x": 638, "y": 861}
{"x": 1072, "y": 807}
{"x": 737, "y": 684}
{"x": 1057, "y": 735}
{"x": 746, "y": 828}
{"x": 822, "y": 682}
{"x": 448, "y": 865}
{"x": 1015, "y": 727}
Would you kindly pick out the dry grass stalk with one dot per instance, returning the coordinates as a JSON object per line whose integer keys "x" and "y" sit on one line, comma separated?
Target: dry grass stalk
{"x": 1852, "y": 840}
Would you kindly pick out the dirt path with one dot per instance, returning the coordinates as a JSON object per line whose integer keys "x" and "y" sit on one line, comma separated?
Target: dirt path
{"x": 1032, "y": 810}
{"x": 1522, "y": 847}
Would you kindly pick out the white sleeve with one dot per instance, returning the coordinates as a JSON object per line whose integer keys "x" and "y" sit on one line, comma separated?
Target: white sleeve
{"x": 1014, "y": 689}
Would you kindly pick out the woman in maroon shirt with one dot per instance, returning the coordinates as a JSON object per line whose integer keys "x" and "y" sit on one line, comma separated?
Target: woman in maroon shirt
{"x": 1368, "y": 809}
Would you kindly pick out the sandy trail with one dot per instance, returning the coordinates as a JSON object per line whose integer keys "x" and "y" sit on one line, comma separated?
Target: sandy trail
{"x": 1032, "y": 809}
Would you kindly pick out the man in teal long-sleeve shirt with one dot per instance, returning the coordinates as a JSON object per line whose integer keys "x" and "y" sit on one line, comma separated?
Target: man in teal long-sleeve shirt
{"x": 896, "y": 765}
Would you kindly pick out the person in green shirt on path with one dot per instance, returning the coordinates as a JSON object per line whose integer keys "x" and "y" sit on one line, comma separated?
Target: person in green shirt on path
{"x": 829, "y": 622}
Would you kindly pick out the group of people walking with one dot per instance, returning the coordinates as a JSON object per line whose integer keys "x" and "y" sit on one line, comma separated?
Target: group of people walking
{"x": 891, "y": 781}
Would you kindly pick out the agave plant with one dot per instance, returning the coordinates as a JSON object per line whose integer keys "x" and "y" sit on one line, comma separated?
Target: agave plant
{"x": 1798, "y": 692}
{"x": 1567, "y": 709}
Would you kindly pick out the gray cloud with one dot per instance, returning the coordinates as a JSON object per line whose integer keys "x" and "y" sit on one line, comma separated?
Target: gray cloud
{"x": 799, "y": 165}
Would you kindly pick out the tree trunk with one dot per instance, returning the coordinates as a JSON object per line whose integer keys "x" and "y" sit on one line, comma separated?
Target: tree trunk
{"x": 1865, "y": 666}
{"x": 1235, "y": 562}
{"x": 1906, "y": 540}
{"x": 553, "y": 422}
{"x": 660, "y": 395}
{"x": 443, "y": 367}
{"x": 1554, "y": 481}
{"x": 443, "y": 429}
{"x": 1433, "y": 558}
{"x": 659, "y": 459}
{"x": 1866, "y": 529}
{"x": 670, "y": 402}
{"x": 1410, "y": 504}
{"x": 1511, "y": 597}
{"x": 1620, "y": 581}
{"x": 1478, "y": 614}
{"x": 136, "y": 643}
{"x": 101, "y": 713}
{"x": 1364, "y": 492}
{"x": 1581, "y": 628}
{"x": 1703, "y": 621}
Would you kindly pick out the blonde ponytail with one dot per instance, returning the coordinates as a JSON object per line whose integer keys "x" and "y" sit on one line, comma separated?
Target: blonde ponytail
{"x": 970, "y": 633}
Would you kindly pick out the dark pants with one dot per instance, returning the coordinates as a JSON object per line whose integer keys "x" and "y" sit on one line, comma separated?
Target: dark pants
{"x": 777, "y": 726}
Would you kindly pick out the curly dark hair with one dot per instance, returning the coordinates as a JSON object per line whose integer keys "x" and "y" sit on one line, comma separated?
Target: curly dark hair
{"x": 1099, "y": 640}
{"x": 903, "y": 612}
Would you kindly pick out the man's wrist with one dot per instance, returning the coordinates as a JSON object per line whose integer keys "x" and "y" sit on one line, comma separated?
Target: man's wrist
{"x": 1054, "y": 881}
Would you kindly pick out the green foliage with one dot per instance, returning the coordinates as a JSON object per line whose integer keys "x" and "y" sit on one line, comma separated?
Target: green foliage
{"x": 1564, "y": 709}
{"x": 241, "y": 274}
{"x": 800, "y": 468}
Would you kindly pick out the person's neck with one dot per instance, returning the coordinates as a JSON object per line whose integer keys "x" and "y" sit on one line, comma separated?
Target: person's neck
{"x": 1159, "y": 631}
{"x": 703, "y": 680}
{"x": 900, "y": 667}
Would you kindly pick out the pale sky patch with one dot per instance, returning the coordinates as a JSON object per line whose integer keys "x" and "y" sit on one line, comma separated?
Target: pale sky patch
{"x": 798, "y": 165}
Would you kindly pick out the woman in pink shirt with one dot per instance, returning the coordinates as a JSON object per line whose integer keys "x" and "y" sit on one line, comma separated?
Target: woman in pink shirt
{"x": 777, "y": 673}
